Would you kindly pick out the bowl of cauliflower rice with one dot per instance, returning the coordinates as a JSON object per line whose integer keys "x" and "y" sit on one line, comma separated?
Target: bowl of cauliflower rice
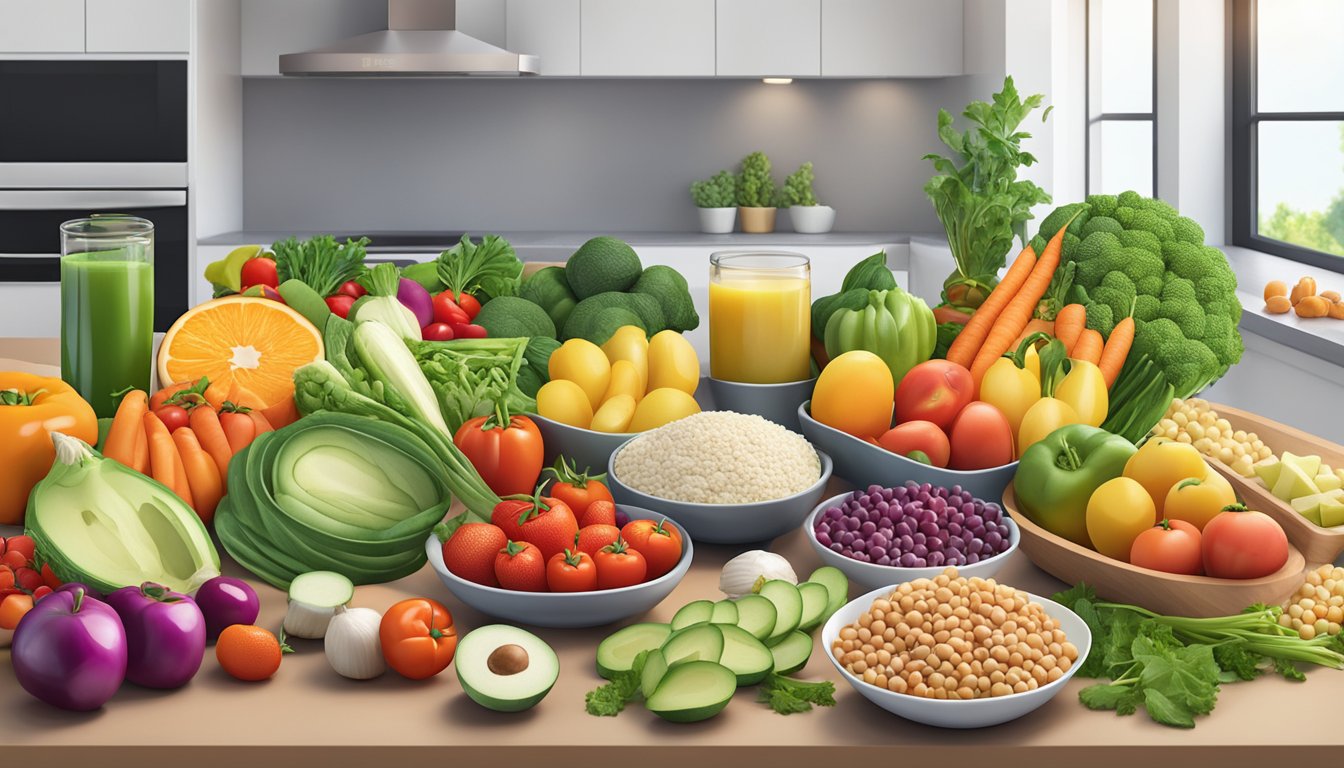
{"x": 728, "y": 478}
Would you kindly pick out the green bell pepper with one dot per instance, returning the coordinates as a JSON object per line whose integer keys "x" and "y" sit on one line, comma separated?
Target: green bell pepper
{"x": 894, "y": 325}
{"x": 1057, "y": 475}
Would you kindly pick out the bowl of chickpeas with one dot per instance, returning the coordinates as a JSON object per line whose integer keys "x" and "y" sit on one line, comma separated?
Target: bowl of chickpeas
{"x": 955, "y": 651}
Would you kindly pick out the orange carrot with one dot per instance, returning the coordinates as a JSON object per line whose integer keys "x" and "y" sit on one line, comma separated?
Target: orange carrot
{"x": 1019, "y": 309}
{"x": 165, "y": 463}
{"x": 126, "y": 438}
{"x": 202, "y": 474}
{"x": 1069, "y": 323}
{"x": 239, "y": 429}
{"x": 1034, "y": 326}
{"x": 209, "y": 433}
{"x": 968, "y": 342}
{"x": 1089, "y": 347}
{"x": 1116, "y": 350}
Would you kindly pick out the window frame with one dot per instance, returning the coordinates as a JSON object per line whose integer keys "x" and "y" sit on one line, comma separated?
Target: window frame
{"x": 1090, "y": 121}
{"x": 1243, "y": 61}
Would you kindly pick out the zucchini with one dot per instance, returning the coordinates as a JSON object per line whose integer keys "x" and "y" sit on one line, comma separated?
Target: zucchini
{"x": 815, "y": 599}
{"x": 756, "y": 615}
{"x": 788, "y": 608}
{"x": 694, "y": 691}
{"x": 655, "y": 667}
{"x": 703, "y": 642}
{"x": 725, "y": 612}
{"x": 836, "y": 583}
{"x": 617, "y": 653}
{"x": 746, "y": 656}
{"x": 697, "y": 612}
{"x": 791, "y": 653}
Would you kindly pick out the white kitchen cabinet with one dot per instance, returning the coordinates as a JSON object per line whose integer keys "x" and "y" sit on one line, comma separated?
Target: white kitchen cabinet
{"x": 891, "y": 38}
{"x": 763, "y": 38}
{"x": 273, "y": 27}
{"x": 548, "y": 29}
{"x": 41, "y": 26}
{"x": 647, "y": 38}
{"x": 137, "y": 26}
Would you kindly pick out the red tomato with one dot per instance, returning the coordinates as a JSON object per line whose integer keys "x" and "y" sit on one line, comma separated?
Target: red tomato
{"x": 447, "y": 311}
{"x": 571, "y": 571}
{"x": 1172, "y": 546}
{"x": 981, "y": 438}
{"x": 437, "y": 332}
{"x": 520, "y": 566}
{"x": 922, "y": 436}
{"x": 173, "y": 417}
{"x": 468, "y": 331}
{"x": 340, "y": 304}
{"x": 658, "y": 541}
{"x": 259, "y": 271}
{"x": 22, "y": 544}
{"x": 936, "y": 391}
{"x": 468, "y": 303}
{"x": 1240, "y": 544}
{"x": 619, "y": 566}
{"x": 509, "y": 458}
{"x": 352, "y": 289}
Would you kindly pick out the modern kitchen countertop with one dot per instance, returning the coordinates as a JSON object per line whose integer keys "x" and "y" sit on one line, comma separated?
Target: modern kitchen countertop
{"x": 307, "y": 715}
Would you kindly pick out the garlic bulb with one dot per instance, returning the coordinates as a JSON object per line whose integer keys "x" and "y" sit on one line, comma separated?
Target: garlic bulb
{"x": 742, "y": 574}
{"x": 352, "y": 644}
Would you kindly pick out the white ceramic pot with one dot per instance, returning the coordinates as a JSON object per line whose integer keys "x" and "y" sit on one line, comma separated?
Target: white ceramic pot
{"x": 812, "y": 219}
{"x": 717, "y": 221}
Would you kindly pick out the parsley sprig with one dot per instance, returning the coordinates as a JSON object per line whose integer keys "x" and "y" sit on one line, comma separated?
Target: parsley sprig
{"x": 608, "y": 700}
{"x": 787, "y": 696}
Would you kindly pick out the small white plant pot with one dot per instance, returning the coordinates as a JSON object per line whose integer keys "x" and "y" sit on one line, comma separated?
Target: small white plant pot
{"x": 717, "y": 221}
{"x": 812, "y": 219}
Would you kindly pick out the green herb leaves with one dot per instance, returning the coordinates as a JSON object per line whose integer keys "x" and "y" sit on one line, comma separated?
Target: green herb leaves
{"x": 320, "y": 261}
{"x": 787, "y": 696}
{"x": 491, "y": 268}
{"x": 608, "y": 700}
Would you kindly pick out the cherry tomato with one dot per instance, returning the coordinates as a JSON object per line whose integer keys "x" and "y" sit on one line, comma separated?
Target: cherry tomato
{"x": 619, "y": 566}
{"x": 418, "y": 638}
{"x": 448, "y": 311}
{"x": 437, "y": 332}
{"x": 352, "y": 289}
{"x": 340, "y": 304}
{"x": 923, "y": 436}
{"x": 14, "y": 560}
{"x": 658, "y": 541}
{"x": 173, "y": 417}
{"x": 13, "y": 607}
{"x": 23, "y": 544}
{"x": 1240, "y": 544}
{"x": 521, "y": 566}
{"x": 571, "y": 571}
{"x": 578, "y": 489}
{"x": 468, "y": 331}
{"x": 28, "y": 579}
{"x": 981, "y": 438}
{"x": 1172, "y": 546}
{"x": 468, "y": 303}
{"x": 259, "y": 271}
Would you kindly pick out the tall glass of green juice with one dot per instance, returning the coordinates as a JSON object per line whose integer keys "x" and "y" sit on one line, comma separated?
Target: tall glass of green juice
{"x": 107, "y": 307}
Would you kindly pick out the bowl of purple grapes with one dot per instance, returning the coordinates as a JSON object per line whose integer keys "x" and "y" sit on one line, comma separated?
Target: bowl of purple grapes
{"x": 883, "y": 536}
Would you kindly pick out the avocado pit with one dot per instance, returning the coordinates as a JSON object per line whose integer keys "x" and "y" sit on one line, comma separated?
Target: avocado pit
{"x": 509, "y": 659}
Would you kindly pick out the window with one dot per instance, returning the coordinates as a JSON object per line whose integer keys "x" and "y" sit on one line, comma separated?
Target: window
{"x": 1121, "y": 91}
{"x": 1288, "y": 129}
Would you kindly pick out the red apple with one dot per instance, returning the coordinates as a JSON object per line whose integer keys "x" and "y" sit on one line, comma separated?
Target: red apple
{"x": 934, "y": 391}
{"x": 923, "y": 436}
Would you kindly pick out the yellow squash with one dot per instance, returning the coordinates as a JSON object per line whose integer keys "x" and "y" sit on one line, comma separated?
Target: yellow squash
{"x": 1043, "y": 417}
{"x": 1084, "y": 389}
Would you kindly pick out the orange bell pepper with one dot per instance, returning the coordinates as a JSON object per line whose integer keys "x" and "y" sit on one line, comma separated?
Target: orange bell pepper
{"x": 32, "y": 407}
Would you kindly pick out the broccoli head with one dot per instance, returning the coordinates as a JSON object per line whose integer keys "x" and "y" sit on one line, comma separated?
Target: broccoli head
{"x": 1223, "y": 339}
{"x": 1180, "y": 306}
{"x": 1100, "y": 318}
{"x": 1137, "y": 238}
{"x": 1145, "y": 308}
{"x": 1102, "y": 205}
{"x": 1100, "y": 224}
{"x": 1187, "y": 231}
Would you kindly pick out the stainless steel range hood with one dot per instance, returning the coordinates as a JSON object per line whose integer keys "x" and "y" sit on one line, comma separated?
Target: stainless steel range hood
{"x": 421, "y": 40}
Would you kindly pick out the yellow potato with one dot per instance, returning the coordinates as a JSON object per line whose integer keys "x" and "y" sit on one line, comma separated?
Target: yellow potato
{"x": 630, "y": 343}
{"x": 615, "y": 414}
{"x": 564, "y": 401}
{"x": 584, "y": 363}
{"x": 624, "y": 381}
{"x": 673, "y": 363}
{"x": 662, "y": 406}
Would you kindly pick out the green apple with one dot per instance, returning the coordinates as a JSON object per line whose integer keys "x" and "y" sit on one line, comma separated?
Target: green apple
{"x": 1294, "y": 481}
{"x": 1268, "y": 470}
{"x": 1331, "y": 513}
{"x": 1329, "y": 482}
{"x": 1310, "y": 464}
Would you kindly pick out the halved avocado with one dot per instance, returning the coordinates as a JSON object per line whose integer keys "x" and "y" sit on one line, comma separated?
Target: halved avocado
{"x": 505, "y": 668}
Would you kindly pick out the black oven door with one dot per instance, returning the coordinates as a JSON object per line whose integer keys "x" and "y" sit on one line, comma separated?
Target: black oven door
{"x": 30, "y": 236}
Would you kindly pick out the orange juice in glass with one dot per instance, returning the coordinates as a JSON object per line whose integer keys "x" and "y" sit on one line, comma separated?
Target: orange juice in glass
{"x": 760, "y": 318}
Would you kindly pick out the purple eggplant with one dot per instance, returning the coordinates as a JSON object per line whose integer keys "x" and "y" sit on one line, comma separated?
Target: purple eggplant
{"x": 415, "y": 298}
{"x": 226, "y": 601}
{"x": 70, "y": 651}
{"x": 165, "y": 635}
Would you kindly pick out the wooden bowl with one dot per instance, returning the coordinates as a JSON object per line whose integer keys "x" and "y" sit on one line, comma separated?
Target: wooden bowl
{"x": 1167, "y": 593}
{"x": 1318, "y": 545}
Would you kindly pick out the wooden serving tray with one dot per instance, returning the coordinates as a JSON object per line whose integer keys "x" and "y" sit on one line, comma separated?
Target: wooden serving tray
{"x": 1318, "y": 545}
{"x": 1167, "y": 593}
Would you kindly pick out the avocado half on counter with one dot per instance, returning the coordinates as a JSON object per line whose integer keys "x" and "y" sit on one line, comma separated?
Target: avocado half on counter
{"x": 505, "y": 668}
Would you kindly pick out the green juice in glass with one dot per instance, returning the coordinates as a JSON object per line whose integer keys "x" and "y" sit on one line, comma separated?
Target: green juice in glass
{"x": 107, "y": 325}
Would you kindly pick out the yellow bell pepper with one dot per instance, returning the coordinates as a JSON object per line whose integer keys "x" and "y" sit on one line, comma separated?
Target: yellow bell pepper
{"x": 1196, "y": 500}
{"x": 1042, "y": 418}
{"x": 1084, "y": 388}
{"x": 32, "y": 407}
{"x": 1161, "y": 464}
{"x": 1011, "y": 389}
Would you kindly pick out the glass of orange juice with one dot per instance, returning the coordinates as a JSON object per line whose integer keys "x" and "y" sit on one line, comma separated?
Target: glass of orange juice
{"x": 760, "y": 318}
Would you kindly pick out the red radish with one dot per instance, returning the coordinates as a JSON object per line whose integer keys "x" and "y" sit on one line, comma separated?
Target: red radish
{"x": 340, "y": 304}
{"x": 352, "y": 288}
{"x": 437, "y": 332}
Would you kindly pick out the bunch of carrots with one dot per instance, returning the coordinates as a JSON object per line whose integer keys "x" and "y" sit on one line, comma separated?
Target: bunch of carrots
{"x": 186, "y": 434}
{"x": 1005, "y": 318}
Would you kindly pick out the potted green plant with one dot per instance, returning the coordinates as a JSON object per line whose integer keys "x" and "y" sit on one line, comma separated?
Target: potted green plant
{"x": 756, "y": 195}
{"x": 808, "y": 216}
{"x": 716, "y": 198}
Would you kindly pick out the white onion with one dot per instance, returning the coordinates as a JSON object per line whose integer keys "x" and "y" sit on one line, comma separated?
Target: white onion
{"x": 741, "y": 574}
{"x": 352, "y": 644}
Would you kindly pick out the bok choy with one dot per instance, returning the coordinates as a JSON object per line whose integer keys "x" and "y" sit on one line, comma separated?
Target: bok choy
{"x": 383, "y": 306}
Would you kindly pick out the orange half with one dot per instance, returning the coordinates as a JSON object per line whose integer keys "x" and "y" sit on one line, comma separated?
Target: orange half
{"x": 257, "y": 343}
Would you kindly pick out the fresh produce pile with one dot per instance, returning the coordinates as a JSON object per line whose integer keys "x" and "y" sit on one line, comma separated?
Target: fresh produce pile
{"x": 1303, "y": 299}
{"x": 914, "y": 526}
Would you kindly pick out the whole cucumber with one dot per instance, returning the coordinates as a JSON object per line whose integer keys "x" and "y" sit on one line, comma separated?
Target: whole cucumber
{"x": 305, "y": 301}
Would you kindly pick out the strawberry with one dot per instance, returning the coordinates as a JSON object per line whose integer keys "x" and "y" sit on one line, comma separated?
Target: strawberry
{"x": 14, "y": 560}
{"x": 28, "y": 579}
{"x": 21, "y": 544}
{"x": 594, "y": 537}
{"x": 520, "y": 566}
{"x": 470, "y": 552}
{"x": 544, "y": 521}
{"x": 7, "y": 581}
{"x": 600, "y": 512}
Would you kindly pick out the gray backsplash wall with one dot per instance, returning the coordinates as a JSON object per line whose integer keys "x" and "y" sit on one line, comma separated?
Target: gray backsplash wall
{"x": 585, "y": 155}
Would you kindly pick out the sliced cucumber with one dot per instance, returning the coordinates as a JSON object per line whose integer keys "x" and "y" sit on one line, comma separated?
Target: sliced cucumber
{"x": 791, "y": 653}
{"x": 703, "y": 642}
{"x": 836, "y": 583}
{"x": 617, "y": 653}
{"x": 756, "y": 615}
{"x": 725, "y": 612}
{"x": 748, "y": 657}
{"x": 694, "y": 691}
{"x": 655, "y": 666}
{"x": 697, "y": 612}
{"x": 815, "y": 599}
{"x": 788, "y": 608}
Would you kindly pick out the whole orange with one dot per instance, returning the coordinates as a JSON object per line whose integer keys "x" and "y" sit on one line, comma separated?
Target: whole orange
{"x": 249, "y": 652}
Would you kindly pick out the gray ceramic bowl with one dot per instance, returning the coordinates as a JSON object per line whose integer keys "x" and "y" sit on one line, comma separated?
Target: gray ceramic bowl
{"x": 865, "y": 464}
{"x": 729, "y": 523}
{"x": 872, "y": 576}
{"x": 775, "y": 402}
{"x": 566, "y": 609}
{"x": 949, "y": 713}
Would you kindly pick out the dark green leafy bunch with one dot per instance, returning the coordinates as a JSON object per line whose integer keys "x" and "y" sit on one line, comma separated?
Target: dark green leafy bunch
{"x": 755, "y": 185}
{"x": 486, "y": 271}
{"x": 979, "y": 199}
{"x": 798, "y": 187}
{"x": 718, "y": 191}
{"x": 321, "y": 262}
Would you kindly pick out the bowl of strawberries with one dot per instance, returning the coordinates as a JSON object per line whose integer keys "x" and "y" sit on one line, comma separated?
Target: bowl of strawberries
{"x": 540, "y": 562}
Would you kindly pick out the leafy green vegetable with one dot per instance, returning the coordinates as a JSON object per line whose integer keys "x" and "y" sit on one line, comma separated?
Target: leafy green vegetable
{"x": 977, "y": 195}
{"x": 788, "y": 696}
{"x": 320, "y": 261}
{"x": 608, "y": 700}
{"x": 471, "y": 375}
{"x": 718, "y": 191}
{"x": 381, "y": 303}
{"x": 947, "y": 333}
{"x": 798, "y": 187}
{"x": 755, "y": 187}
{"x": 486, "y": 271}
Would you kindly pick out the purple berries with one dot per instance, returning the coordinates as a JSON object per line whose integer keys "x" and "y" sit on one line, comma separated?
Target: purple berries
{"x": 914, "y": 526}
